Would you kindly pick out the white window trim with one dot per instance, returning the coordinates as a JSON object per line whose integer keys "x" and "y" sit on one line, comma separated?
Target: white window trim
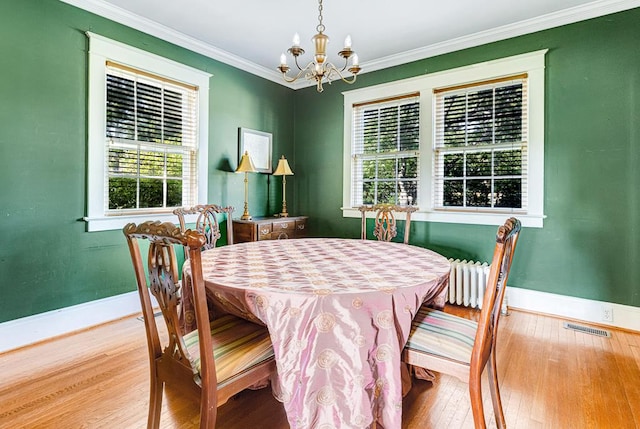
{"x": 532, "y": 63}
{"x": 102, "y": 49}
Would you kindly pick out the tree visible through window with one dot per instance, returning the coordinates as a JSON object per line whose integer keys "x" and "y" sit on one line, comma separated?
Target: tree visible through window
{"x": 481, "y": 146}
{"x": 151, "y": 141}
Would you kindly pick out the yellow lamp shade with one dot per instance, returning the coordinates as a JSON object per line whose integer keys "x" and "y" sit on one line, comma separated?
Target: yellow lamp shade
{"x": 283, "y": 168}
{"x": 246, "y": 164}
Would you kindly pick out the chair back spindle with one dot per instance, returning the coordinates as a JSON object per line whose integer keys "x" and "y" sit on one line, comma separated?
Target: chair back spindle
{"x": 207, "y": 222}
{"x": 385, "y": 226}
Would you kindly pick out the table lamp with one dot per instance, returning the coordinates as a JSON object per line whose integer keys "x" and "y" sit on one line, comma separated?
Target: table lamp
{"x": 283, "y": 170}
{"x": 246, "y": 167}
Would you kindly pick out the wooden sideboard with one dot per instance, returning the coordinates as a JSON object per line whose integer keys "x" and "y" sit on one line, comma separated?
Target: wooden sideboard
{"x": 269, "y": 228}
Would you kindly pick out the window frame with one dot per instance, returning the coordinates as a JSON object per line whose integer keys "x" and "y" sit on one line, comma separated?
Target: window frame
{"x": 101, "y": 50}
{"x": 360, "y": 155}
{"x": 442, "y": 149}
{"x": 532, "y": 63}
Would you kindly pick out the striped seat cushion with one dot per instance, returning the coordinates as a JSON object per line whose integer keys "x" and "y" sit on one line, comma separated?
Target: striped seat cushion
{"x": 441, "y": 334}
{"x": 238, "y": 345}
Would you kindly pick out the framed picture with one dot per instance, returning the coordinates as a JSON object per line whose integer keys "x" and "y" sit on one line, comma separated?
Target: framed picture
{"x": 258, "y": 144}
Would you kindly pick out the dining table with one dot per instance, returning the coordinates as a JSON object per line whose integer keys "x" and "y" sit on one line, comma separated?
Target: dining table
{"x": 339, "y": 313}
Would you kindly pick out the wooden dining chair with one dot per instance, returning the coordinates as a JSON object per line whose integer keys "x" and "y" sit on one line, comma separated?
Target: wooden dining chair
{"x": 385, "y": 228}
{"x": 460, "y": 347}
{"x": 217, "y": 360}
{"x": 207, "y": 222}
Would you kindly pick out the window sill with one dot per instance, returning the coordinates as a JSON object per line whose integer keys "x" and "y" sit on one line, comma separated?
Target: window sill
{"x": 109, "y": 223}
{"x": 497, "y": 219}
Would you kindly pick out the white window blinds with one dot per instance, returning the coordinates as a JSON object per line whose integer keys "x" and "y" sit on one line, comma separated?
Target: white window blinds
{"x": 151, "y": 141}
{"x": 481, "y": 146}
{"x": 385, "y": 151}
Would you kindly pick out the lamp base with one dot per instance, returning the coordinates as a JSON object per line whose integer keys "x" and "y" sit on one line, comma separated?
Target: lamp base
{"x": 245, "y": 217}
{"x": 285, "y": 214}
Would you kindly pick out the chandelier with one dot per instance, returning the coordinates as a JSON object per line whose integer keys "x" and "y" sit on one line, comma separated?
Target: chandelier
{"x": 319, "y": 70}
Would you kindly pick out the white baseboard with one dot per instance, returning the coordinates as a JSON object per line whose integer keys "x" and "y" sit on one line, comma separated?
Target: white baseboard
{"x": 624, "y": 316}
{"x": 32, "y": 329}
{"x": 39, "y": 327}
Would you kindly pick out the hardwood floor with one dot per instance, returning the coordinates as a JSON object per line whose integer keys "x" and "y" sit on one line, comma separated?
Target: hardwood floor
{"x": 550, "y": 377}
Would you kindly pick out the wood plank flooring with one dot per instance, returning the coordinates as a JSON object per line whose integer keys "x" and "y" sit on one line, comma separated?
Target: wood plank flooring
{"x": 550, "y": 377}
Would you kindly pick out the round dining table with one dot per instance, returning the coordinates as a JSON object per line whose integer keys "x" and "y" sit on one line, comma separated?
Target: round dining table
{"x": 339, "y": 312}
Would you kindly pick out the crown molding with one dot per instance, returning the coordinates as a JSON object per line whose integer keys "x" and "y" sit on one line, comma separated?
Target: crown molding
{"x": 544, "y": 22}
{"x": 140, "y": 23}
{"x": 551, "y": 20}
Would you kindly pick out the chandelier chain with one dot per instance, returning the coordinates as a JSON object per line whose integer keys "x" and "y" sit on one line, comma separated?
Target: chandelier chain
{"x": 320, "y": 28}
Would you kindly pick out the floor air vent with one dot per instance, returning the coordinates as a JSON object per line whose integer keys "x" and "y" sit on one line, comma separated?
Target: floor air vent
{"x": 587, "y": 329}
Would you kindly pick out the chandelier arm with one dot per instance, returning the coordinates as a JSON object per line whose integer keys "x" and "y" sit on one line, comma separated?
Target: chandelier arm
{"x": 349, "y": 81}
{"x": 297, "y": 76}
{"x": 332, "y": 69}
{"x": 346, "y": 63}
{"x": 295, "y": 59}
{"x": 329, "y": 70}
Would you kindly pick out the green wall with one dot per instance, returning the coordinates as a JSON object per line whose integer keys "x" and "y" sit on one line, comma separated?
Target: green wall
{"x": 589, "y": 245}
{"x": 47, "y": 260}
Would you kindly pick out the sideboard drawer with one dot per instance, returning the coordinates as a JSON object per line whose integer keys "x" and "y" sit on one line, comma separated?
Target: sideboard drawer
{"x": 283, "y": 229}
{"x": 264, "y": 231}
{"x": 284, "y": 225}
{"x": 282, "y": 234}
{"x": 301, "y": 228}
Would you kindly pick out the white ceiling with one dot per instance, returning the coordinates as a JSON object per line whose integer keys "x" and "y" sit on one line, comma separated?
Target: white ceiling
{"x": 251, "y": 34}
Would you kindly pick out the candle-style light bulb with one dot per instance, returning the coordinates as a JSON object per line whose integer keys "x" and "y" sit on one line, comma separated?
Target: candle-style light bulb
{"x": 347, "y": 42}
{"x": 283, "y": 59}
{"x": 355, "y": 59}
{"x": 296, "y": 40}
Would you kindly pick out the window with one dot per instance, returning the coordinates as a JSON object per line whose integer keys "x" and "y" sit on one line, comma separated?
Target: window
{"x": 465, "y": 145}
{"x": 147, "y": 143}
{"x": 480, "y": 146}
{"x": 150, "y": 141}
{"x": 385, "y": 151}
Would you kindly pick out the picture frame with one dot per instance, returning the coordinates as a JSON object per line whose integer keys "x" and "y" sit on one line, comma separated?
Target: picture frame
{"x": 258, "y": 145}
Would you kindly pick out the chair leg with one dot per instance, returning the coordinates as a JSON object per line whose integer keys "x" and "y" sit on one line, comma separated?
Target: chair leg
{"x": 495, "y": 393}
{"x": 155, "y": 402}
{"x": 475, "y": 392}
{"x": 208, "y": 406}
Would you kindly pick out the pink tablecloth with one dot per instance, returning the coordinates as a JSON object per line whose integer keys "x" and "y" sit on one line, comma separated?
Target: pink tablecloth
{"x": 338, "y": 312}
